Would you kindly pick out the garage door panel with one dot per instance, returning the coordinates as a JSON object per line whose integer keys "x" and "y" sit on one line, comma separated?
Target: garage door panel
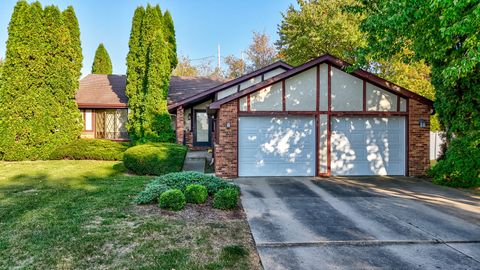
{"x": 368, "y": 146}
{"x": 276, "y": 146}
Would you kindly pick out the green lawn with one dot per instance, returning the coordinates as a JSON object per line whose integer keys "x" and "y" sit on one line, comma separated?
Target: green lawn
{"x": 79, "y": 214}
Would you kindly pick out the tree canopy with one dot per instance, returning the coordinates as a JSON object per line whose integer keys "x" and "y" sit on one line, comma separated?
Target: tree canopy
{"x": 185, "y": 67}
{"x": 39, "y": 79}
{"x": 260, "y": 53}
{"x": 102, "y": 64}
{"x": 444, "y": 34}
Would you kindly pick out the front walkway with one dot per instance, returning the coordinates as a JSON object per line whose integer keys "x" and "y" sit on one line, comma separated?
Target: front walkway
{"x": 361, "y": 223}
{"x": 195, "y": 161}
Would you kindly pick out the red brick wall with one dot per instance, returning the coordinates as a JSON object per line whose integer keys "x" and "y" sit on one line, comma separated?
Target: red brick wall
{"x": 179, "y": 125}
{"x": 419, "y": 139}
{"x": 226, "y": 162}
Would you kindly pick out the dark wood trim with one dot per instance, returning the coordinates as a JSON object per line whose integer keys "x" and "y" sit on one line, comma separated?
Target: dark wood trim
{"x": 273, "y": 113}
{"x": 101, "y": 106}
{"x": 248, "y": 103}
{"x": 241, "y": 79}
{"x": 263, "y": 77}
{"x": 364, "y": 96}
{"x": 407, "y": 140}
{"x": 317, "y": 144}
{"x": 284, "y": 104}
{"x": 368, "y": 113}
{"x": 364, "y": 75}
{"x": 329, "y": 122}
{"x": 318, "y": 88}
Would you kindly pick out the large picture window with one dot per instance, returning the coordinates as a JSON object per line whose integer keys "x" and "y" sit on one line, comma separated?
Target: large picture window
{"x": 111, "y": 124}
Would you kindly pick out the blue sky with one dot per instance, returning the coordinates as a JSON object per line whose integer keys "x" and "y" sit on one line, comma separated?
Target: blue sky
{"x": 200, "y": 25}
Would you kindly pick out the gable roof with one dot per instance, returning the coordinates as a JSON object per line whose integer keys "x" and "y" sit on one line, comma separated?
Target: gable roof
{"x": 102, "y": 91}
{"x": 335, "y": 62}
{"x": 211, "y": 91}
{"x": 108, "y": 91}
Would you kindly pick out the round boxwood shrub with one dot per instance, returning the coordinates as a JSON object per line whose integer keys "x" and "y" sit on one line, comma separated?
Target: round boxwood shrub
{"x": 226, "y": 198}
{"x": 196, "y": 194}
{"x": 172, "y": 199}
{"x": 154, "y": 159}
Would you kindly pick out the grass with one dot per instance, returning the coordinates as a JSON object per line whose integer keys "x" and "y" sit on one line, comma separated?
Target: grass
{"x": 77, "y": 214}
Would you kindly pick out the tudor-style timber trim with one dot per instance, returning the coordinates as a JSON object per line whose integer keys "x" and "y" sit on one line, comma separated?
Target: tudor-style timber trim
{"x": 216, "y": 89}
{"x": 331, "y": 61}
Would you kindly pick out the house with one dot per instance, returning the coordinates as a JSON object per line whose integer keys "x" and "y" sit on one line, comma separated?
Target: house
{"x": 311, "y": 120}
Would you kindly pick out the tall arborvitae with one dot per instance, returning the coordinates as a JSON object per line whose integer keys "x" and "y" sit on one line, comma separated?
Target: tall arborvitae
{"x": 135, "y": 76}
{"x": 37, "y": 107}
{"x": 148, "y": 75}
{"x": 70, "y": 20}
{"x": 170, "y": 37}
{"x": 102, "y": 63}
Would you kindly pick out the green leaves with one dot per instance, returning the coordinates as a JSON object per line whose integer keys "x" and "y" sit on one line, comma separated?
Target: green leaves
{"x": 40, "y": 76}
{"x": 149, "y": 65}
{"x": 102, "y": 63}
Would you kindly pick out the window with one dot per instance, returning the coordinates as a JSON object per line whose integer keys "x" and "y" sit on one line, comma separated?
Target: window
{"x": 111, "y": 124}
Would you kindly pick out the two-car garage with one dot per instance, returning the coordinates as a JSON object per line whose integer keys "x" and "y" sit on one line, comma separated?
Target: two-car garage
{"x": 287, "y": 146}
{"x": 320, "y": 120}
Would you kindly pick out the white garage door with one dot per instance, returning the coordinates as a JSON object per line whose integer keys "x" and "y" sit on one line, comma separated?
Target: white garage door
{"x": 276, "y": 146}
{"x": 368, "y": 146}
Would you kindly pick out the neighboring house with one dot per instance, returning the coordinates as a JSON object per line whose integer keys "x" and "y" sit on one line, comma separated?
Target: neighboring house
{"x": 311, "y": 120}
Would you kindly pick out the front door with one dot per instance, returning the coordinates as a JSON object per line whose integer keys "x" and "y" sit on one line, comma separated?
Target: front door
{"x": 201, "y": 128}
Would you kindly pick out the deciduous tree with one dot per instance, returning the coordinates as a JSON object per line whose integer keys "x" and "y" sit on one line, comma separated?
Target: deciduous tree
{"x": 102, "y": 64}
{"x": 236, "y": 67}
{"x": 185, "y": 67}
{"x": 445, "y": 35}
{"x": 260, "y": 53}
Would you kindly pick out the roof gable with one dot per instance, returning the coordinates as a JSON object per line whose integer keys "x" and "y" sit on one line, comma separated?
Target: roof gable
{"x": 205, "y": 94}
{"x": 335, "y": 62}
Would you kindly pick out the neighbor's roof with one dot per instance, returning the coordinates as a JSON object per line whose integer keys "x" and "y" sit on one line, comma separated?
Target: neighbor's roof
{"x": 335, "y": 62}
{"x": 108, "y": 91}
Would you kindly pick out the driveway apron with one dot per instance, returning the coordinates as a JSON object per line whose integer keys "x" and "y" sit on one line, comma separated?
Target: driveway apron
{"x": 361, "y": 223}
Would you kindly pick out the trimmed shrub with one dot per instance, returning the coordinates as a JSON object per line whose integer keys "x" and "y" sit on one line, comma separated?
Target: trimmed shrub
{"x": 95, "y": 149}
{"x": 181, "y": 180}
{"x": 196, "y": 194}
{"x": 460, "y": 167}
{"x": 151, "y": 193}
{"x": 226, "y": 198}
{"x": 155, "y": 158}
{"x": 172, "y": 199}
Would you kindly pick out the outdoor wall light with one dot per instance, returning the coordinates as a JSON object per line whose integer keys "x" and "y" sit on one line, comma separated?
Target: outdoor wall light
{"x": 229, "y": 125}
{"x": 422, "y": 123}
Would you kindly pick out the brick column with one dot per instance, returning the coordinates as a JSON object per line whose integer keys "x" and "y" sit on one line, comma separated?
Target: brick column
{"x": 226, "y": 163}
{"x": 180, "y": 125}
{"x": 418, "y": 158}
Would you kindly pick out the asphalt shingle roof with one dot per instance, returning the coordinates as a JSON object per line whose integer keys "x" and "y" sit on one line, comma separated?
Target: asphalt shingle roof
{"x": 101, "y": 89}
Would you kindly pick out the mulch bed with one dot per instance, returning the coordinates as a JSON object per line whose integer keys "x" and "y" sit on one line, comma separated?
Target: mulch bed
{"x": 194, "y": 212}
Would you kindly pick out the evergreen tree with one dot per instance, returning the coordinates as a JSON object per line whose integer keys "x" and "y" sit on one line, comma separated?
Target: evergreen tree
{"x": 37, "y": 106}
{"x": 148, "y": 75}
{"x": 135, "y": 75}
{"x": 102, "y": 63}
{"x": 70, "y": 20}
{"x": 170, "y": 38}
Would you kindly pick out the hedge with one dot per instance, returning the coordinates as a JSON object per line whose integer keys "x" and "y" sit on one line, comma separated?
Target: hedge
{"x": 95, "y": 149}
{"x": 155, "y": 158}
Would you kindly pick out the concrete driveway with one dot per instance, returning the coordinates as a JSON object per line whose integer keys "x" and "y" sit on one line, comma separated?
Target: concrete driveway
{"x": 361, "y": 223}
